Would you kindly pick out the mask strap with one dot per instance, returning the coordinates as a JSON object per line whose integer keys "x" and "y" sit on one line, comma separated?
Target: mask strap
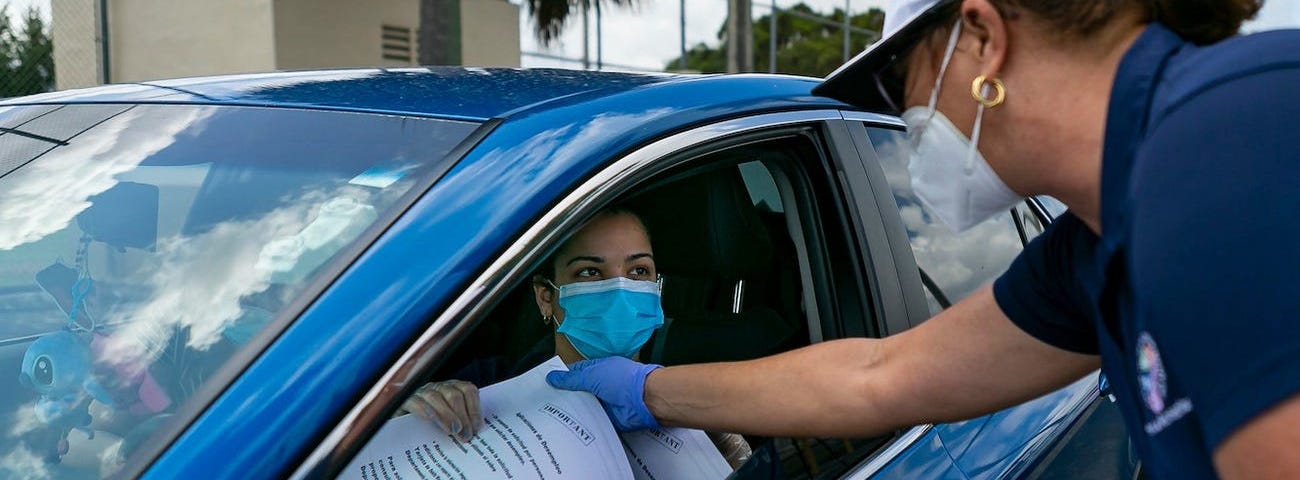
{"x": 943, "y": 67}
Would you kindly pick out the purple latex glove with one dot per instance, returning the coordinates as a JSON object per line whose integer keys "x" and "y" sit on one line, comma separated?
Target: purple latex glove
{"x": 619, "y": 383}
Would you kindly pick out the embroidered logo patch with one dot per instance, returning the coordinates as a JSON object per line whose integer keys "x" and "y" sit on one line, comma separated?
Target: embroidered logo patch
{"x": 1151, "y": 373}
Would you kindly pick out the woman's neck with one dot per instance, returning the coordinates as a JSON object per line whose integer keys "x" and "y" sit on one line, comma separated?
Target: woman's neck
{"x": 1071, "y": 129}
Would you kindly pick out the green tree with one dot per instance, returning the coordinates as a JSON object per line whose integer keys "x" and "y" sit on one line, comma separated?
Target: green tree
{"x": 26, "y": 55}
{"x": 551, "y": 16}
{"x": 803, "y": 46}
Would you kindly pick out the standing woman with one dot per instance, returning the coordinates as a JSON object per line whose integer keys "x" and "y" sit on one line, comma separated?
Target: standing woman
{"x": 1174, "y": 143}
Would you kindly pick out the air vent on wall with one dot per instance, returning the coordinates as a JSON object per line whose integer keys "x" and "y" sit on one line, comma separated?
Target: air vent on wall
{"x": 398, "y": 43}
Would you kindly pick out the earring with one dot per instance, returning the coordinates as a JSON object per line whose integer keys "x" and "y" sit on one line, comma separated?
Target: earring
{"x": 977, "y": 88}
{"x": 550, "y": 321}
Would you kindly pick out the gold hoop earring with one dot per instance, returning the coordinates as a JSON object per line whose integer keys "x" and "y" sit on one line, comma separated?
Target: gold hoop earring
{"x": 999, "y": 91}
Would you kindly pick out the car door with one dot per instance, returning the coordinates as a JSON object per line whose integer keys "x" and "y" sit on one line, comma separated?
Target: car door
{"x": 948, "y": 267}
{"x": 840, "y": 261}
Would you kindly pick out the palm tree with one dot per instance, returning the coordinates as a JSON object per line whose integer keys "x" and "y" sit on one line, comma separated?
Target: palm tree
{"x": 551, "y": 16}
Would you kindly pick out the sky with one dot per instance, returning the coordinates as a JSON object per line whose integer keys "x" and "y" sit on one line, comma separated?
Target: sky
{"x": 647, "y": 37}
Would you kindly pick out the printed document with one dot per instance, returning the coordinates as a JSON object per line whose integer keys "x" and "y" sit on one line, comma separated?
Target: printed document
{"x": 534, "y": 431}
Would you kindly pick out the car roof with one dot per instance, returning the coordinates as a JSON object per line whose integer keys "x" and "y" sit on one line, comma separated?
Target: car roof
{"x": 464, "y": 93}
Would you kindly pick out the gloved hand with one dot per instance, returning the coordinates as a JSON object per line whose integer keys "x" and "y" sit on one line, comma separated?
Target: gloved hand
{"x": 452, "y": 405}
{"x": 619, "y": 383}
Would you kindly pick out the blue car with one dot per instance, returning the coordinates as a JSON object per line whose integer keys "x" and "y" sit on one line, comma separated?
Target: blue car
{"x": 244, "y": 276}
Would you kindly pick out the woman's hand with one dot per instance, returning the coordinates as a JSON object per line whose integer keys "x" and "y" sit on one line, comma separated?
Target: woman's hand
{"x": 452, "y": 405}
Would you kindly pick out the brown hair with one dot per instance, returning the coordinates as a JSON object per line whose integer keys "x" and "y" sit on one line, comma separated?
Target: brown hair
{"x": 1198, "y": 21}
{"x": 547, "y": 270}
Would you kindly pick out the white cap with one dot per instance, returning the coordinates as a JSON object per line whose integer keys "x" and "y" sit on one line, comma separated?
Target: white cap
{"x": 900, "y": 13}
{"x": 852, "y": 83}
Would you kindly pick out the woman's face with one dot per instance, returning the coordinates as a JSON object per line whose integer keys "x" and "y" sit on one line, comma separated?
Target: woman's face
{"x": 922, "y": 71}
{"x": 609, "y": 246}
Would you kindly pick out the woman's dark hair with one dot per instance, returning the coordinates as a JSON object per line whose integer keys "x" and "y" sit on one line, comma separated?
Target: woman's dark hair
{"x": 547, "y": 270}
{"x": 1198, "y": 21}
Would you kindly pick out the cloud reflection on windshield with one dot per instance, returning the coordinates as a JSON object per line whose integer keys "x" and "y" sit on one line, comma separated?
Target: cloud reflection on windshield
{"x": 958, "y": 263}
{"x": 46, "y": 195}
{"x": 21, "y": 464}
{"x": 202, "y": 279}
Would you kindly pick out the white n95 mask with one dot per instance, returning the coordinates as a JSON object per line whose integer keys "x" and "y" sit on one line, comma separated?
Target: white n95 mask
{"x": 949, "y": 176}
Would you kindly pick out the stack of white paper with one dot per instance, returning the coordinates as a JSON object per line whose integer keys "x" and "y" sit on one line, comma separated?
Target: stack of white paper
{"x": 534, "y": 431}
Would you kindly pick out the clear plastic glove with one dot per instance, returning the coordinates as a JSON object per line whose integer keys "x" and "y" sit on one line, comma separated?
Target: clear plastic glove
{"x": 733, "y": 448}
{"x": 619, "y": 383}
{"x": 452, "y": 405}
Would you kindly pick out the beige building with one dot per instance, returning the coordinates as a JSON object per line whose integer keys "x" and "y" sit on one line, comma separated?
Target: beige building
{"x": 153, "y": 39}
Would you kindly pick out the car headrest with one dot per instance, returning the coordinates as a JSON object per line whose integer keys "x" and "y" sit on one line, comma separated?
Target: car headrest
{"x": 705, "y": 225}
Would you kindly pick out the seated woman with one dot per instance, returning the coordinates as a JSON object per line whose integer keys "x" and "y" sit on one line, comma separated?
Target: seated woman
{"x": 600, "y": 293}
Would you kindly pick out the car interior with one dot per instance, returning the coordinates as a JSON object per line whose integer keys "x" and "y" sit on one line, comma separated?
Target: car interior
{"x": 736, "y": 261}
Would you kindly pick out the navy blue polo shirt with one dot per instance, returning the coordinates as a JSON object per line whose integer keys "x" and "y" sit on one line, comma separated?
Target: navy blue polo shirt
{"x": 1191, "y": 295}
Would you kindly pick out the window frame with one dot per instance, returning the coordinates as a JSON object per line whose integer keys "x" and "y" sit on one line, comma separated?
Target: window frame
{"x": 842, "y": 166}
{"x": 162, "y": 440}
{"x": 472, "y": 306}
{"x": 893, "y": 236}
{"x": 1031, "y": 208}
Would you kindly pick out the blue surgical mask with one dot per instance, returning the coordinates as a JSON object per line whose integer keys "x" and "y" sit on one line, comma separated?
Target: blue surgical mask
{"x": 610, "y": 318}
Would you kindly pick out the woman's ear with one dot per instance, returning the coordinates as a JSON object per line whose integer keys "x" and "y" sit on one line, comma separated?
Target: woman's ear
{"x": 986, "y": 30}
{"x": 545, "y": 296}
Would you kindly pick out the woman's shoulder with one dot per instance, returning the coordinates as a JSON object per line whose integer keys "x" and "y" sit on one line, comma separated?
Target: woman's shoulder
{"x": 1195, "y": 70}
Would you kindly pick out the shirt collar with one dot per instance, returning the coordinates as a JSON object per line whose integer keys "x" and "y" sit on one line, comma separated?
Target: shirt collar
{"x": 1126, "y": 121}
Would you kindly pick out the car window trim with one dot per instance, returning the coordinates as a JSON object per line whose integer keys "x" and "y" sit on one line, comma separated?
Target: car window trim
{"x": 1020, "y": 225}
{"x": 909, "y": 279}
{"x": 1044, "y": 216}
{"x": 882, "y": 264}
{"x": 349, "y": 435}
{"x": 162, "y": 440}
{"x": 884, "y": 456}
{"x": 874, "y": 119}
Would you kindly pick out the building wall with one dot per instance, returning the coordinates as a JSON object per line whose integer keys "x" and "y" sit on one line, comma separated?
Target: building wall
{"x": 152, "y": 39}
{"x": 339, "y": 33}
{"x": 489, "y": 33}
{"x": 74, "y": 31}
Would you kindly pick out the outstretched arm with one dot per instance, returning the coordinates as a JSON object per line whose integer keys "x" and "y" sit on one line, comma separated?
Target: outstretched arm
{"x": 967, "y": 361}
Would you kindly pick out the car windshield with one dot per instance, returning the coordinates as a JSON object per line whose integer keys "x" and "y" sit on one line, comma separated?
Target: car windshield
{"x": 141, "y": 246}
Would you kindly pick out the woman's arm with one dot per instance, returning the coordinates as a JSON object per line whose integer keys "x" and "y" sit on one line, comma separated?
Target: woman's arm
{"x": 967, "y": 361}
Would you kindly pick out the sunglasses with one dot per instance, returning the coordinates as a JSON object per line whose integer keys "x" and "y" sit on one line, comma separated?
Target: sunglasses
{"x": 890, "y": 80}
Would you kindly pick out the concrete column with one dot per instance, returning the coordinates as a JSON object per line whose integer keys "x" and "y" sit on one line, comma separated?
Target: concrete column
{"x": 740, "y": 36}
{"x": 75, "y": 33}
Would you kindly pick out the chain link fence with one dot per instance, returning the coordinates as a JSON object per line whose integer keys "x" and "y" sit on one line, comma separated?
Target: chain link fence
{"x": 36, "y": 36}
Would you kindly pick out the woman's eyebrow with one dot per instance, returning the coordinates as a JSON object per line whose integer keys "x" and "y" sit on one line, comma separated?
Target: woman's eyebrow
{"x": 635, "y": 256}
{"x": 582, "y": 258}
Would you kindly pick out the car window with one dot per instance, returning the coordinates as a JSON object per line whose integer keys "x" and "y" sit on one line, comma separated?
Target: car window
{"x": 796, "y": 181}
{"x": 952, "y": 265}
{"x": 735, "y": 233}
{"x": 141, "y": 246}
